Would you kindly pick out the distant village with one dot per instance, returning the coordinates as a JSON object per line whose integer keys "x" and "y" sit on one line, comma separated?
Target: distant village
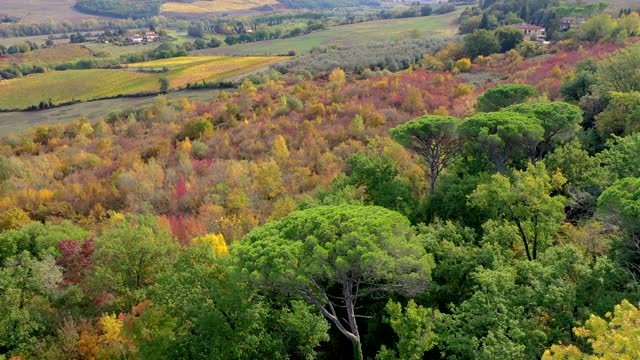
{"x": 140, "y": 37}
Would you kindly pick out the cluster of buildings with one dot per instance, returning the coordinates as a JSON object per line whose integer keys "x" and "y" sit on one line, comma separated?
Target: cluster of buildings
{"x": 538, "y": 33}
{"x": 143, "y": 38}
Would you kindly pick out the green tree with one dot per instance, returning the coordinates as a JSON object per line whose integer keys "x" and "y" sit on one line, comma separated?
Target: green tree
{"x": 129, "y": 257}
{"x": 195, "y": 129}
{"x": 6, "y": 170}
{"x": 621, "y": 115}
{"x": 619, "y": 72}
{"x": 519, "y": 308}
{"x": 526, "y": 205}
{"x": 574, "y": 162}
{"x": 434, "y": 138}
{"x": 450, "y": 199}
{"x": 481, "y": 42}
{"x": 164, "y": 84}
{"x": 332, "y": 256}
{"x": 509, "y": 38}
{"x": 620, "y": 159}
{"x": 621, "y": 203}
{"x": 620, "y": 206}
{"x": 458, "y": 256}
{"x": 379, "y": 177}
{"x": 561, "y": 122}
{"x": 202, "y": 310}
{"x": 38, "y": 239}
{"x": 488, "y": 22}
{"x": 414, "y": 328}
{"x": 28, "y": 289}
{"x": 597, "y": 28}
{"x": 502, "y": 138}
{"x": 504, "y": 95}
{"x": 578, "y": 86}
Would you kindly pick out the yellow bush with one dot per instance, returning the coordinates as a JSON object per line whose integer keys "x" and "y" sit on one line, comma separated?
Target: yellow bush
{"x": 462, "y": 90}
{"x": 463, "y": 65}
{"x": 442, "y": 111}
{"x": 382, "y": 84}
{"x": 437, "y": 80}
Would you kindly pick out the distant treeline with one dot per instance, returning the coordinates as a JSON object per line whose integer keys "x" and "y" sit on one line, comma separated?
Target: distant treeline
{"x": 326, "y": 4}
{"x": 267, "y": 33}
{"x": 120, "y": 8}
{"x": 148, "y": 8}
{"x": 8, "y": 30}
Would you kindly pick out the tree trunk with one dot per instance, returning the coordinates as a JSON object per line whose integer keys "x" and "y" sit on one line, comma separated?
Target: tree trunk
{"x": 349, "y": 302}
{"x": 432, "y": 182}
{"x": 357, "y": 350}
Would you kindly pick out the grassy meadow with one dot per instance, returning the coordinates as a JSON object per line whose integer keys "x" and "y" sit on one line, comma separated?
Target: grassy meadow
{"x": 395, "y": 29}
{"x": 53, "y": 55}
{"x": 84, "y": 85}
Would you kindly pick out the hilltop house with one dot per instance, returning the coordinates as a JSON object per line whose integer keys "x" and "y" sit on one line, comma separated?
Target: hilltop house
{"x": 568, "y": 23}
{"x": 531, "y": 32}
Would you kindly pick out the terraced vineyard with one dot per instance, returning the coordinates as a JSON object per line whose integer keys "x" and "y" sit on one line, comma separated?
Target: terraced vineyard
{"x": 84, "y": 85}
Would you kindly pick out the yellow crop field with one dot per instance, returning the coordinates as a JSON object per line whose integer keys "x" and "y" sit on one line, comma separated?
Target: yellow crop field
{"x": 218, "y": 68}
{"x": 83, "y": 85}
{"x": 209, "y": 6}
{"x": 174, "y": 62}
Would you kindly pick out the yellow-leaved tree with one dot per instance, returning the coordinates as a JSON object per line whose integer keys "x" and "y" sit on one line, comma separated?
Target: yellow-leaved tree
{"x": 338, "y": 76}
{"x": 111, "y": 329}
{"x": 13, "y": 218}
{"x": 280, "y": 151}
{"x": 216, "y": 241}
{"x": 617, "y": 338}
{"x": 111, "y": 342}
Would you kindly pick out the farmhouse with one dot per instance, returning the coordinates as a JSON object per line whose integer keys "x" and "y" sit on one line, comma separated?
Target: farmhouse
{"x": 151, "y": 36}
{"x": 531, "y": 32}
{"x": 135, "y": 38}
{"x": 568, "y": 23}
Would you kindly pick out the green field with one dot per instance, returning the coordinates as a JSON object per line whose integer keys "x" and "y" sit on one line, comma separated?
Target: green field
{"x": 115, "y": 51}
{"x": 53, "y": 55}
{"x": 84, "y": 85}
{"x": 20, "y": 121}
{"x": 372, "y": 31}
